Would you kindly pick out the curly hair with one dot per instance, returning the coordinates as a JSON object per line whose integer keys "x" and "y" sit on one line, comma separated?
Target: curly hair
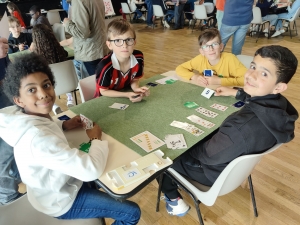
{"x": 46, "y": 44}
{"x": 23, "y": 66}
{"x": 13, "y": 7}
{"x": 284, "y": 60}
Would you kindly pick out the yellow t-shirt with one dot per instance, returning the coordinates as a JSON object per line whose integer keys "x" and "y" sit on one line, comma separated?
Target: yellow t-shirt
{"x": 229, "y": 68}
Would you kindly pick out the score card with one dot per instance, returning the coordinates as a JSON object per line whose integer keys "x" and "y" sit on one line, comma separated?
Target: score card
{"x": 147, "y": 141}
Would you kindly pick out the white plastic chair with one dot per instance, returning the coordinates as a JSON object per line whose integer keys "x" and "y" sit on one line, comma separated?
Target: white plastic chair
{"x": 126, "y": 10}
{"x": 53, "y": 16}
{"x": 87, "y": 88}
{"x": 20, "y": 211}
{"x": 158, "y": 13}
{"x": 257, "y": 21}
{"x": 246, "y": 60}
{"x": 235, "y": 173}
{"x": 200, "y": 14}
{"x": 291, "y": 20}
{"x": 59, "y": 31}
{"x": 65, "y": 78}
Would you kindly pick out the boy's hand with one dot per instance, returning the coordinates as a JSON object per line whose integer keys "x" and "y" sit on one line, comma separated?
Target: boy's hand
{"x": 3, "y": 47}
{"x": 142, "y": 90}
{"x": 72, "y": 123}
{"x": 199, "y": 80}
{"x": 21, "y": 47}
{"x": 213, "y": 80}
{"x": 225, "y": 91}
{"x": 95, "y": 132}
{"x": 132, "y": 97}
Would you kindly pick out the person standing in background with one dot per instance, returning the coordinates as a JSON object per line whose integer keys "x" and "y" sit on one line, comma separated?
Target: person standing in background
{"x": 236, "y": 22}
{"x": 88, "y": 30}
{"x": 220, "y": 12}
{"x": 15, "y": 11}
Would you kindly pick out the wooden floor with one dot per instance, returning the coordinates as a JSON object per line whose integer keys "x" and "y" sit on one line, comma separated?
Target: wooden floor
{"x": 277, "y": 177}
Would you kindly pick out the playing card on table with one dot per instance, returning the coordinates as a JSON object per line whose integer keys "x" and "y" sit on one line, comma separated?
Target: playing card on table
{"x": 219, "y": 107}
{"x": 147, "y": 141}
{"x": 179, "y": 124}
{"x": 118, "y": 106}
{"x": 200, "y": 121}
{"x": 175, "y": 141}
{"x": 206, "y": 112}
{"x": 88, "y": 124}
{"x": 188, "y": 127}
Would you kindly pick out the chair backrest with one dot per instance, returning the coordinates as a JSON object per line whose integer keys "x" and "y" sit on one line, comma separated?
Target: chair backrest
{"x": 59, "y": 31}
{"x": 157, "y": 11}
{"x": 65, "y": 77}
{"x": 125, "y": 8}
{"x": 235, "y": 173}
{"x": 295, "y": 16}
{"x": 200, "y": 12}
{"x": 210, "y": 7}
{"x": 87, "y": 88}
{"x": 132, "y": 5}
{"x": 21, "y": 211}
{"x": 246, "y": 60}
{"x": 256, "y": 15}
{"x": 53, "y": 16}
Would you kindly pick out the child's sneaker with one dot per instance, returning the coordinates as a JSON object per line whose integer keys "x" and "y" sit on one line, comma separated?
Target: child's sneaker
{"x": 177, "y": 207}
{"x": 56, "y": 109}
{"x": 70, "y": 103}
{"x": 166, "y": 24}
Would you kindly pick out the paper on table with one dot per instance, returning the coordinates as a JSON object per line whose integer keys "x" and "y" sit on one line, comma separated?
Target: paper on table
{"x": 4, "y": 30}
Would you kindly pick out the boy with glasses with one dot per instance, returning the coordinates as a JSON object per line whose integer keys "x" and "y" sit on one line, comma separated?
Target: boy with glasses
{"x": 123, "y": 67}
{"x": 227, "y": 69}
{"x": 37, "y": 17}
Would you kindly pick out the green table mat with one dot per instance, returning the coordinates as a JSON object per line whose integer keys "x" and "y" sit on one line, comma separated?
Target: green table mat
{"x": 155, "y": 114}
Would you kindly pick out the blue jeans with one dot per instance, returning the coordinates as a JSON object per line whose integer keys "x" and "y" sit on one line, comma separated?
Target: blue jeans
{"x": 219, "y": 16}
{"x": 90, "y": 66}
{"x": 281, "y": 16}
{"x": 179, "y": 15}
{"x": 169, "y": 15}
{"x": 272, "y": 18}
{"x": 150, "y": 12}
{"x": 92, "y": 203}
{"x": 80, "y": 69}
{"x": 238, "y": 39}
{"x": 138, "y": 14}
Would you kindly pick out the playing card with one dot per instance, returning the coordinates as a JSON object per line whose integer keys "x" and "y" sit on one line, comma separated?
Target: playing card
{"x": 87, "y": 123}
{"x": 200, "y": 121}
{"x": 188, "y": 127}
{"x": 206, "y": 112}
{"x": 219, "y": 107}
{"x": 178, "y": 124}
{"x": 147, "y": 141}
{"x": 175, "y": 141}
{"x": 118, "y": 106}
{"x": 207, "y": 93}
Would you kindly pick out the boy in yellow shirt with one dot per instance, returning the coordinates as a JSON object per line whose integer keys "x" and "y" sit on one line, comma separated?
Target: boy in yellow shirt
{"x": 227, "y": 69}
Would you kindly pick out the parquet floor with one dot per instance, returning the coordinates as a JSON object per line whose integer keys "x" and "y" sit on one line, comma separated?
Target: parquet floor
{"x": 277, "y": 177}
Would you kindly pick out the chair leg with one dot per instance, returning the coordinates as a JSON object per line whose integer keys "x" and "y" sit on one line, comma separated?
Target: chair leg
{"x": 295, "y": 25}
{"x": 102, "y": 221}
{"x": 290, "y": 30}
{"x": 252, "y": 196}
{"x": 198, "y": 212}
{"x": 75, "y": 96}
{"x": 159, "y": 191}
{"x": 194, "y": 25}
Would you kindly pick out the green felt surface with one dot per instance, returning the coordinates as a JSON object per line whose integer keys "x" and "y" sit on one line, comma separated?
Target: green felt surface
{"x": 154, "y": 114}
{"x": 25, "y": 52}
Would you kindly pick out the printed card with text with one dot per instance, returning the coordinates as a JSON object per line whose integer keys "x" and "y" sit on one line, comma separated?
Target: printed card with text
{"x": 219, "y": 107}
{"x": 200, "y": 121}
{"x": 188, "y": 127}
{"x": 118, "y": 106}
{"x": 175, "y": 141}
{"x": 206, "y": 112}
{"x": 87, "y": 123}
{"x": 147, "y": 141}
{"x": 207, "y": 93}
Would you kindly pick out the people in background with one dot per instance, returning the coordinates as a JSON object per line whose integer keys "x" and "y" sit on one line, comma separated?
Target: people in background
{"x": 46, "y": 45}
{"x": 179, "y": 14}
{"x": 137, "y": 13}
{"x": 123, "y": 67}
{"x": 89, "y": 38}
{"x": 266, "y": 114}
{"x": 236, "y": 23}
{"x": 149, "y": 20}
{"x": 55, "y": 174}
{"x": 292, "y": 9}
{"x": 18, "y": 40}
{"x": 37, "y": 17}
{"x": 14, "y": 11}
{"x": 264, "y": 6}
{"x": 9, "y": 174}
{"x": 227, "y": 69}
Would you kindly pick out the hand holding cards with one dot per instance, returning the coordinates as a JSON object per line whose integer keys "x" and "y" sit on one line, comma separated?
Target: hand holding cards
{"x": 87, "y": 123}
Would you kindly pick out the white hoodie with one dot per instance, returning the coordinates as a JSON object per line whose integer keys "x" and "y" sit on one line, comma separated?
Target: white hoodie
{"x": 52, "y": 171}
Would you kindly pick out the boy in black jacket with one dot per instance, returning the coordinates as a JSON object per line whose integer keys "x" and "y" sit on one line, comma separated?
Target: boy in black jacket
{"x": 17, "y": 40}
{"x": 266, "y": 119}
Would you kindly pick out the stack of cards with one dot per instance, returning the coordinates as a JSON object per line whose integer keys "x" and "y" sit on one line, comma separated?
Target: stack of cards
{"x": 206, "y": 112}
{"x": 188, "y": 127}
{"x": 200, "y": 121}
{"x": 118, "y": 106}
{"x": 175, "y": 141}
{"x": 147, "y": 141}
{"x": 87, "y": 123}
{"x": 219, "y": 107}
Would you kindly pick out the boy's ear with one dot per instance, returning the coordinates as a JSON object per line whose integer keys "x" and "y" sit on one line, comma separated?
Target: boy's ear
{"x": 280, "y": 87}
{"x": 18, "y": 101}
{"x": 108, "y": 43}
{"x": 201, "y": 51}
{"x": 221, "y": 47}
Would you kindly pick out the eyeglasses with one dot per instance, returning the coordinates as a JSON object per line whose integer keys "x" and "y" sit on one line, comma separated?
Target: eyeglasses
{"x": 120, "y": 42}
{"x": 213, "y": 46}
{"x": 32, "y": 14}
